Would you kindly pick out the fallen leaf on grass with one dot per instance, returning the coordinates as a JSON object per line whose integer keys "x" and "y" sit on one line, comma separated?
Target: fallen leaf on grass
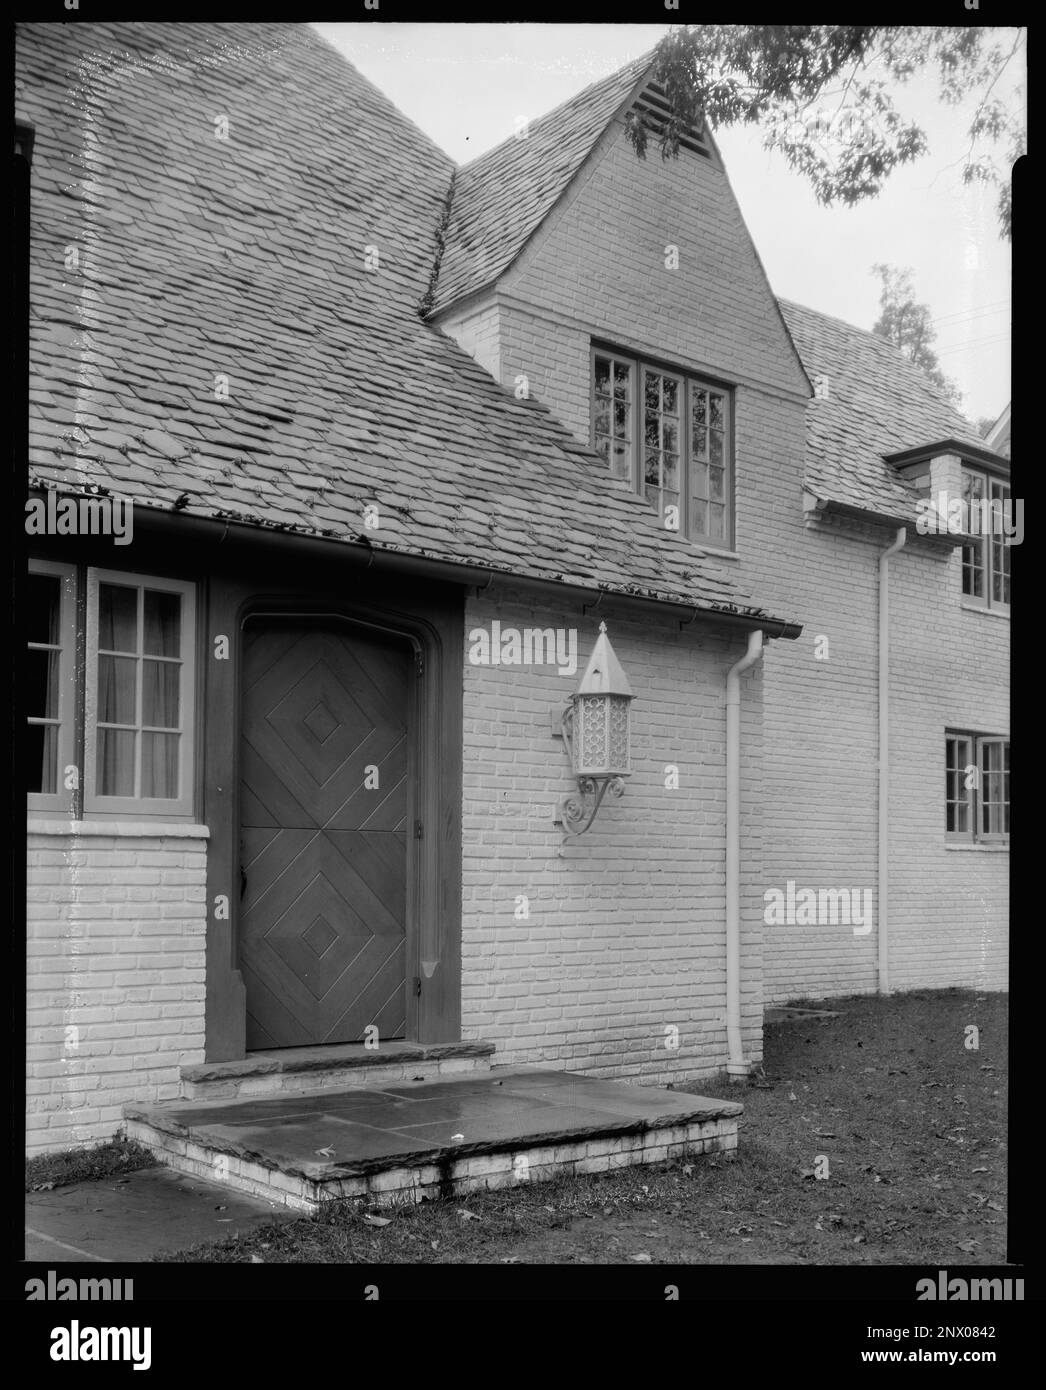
{"x": 468, "y": 1215}
{"x": 642, "y": 1258}
{"x": 257, "y": 1260}
{"x": 378, "y": 1220}
{"x": 969, "y": 1246}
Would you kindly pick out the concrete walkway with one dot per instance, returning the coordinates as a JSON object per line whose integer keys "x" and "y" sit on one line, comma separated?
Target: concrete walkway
{"x": 136, "y": 1217}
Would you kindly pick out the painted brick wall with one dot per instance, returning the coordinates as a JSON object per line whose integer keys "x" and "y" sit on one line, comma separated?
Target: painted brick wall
{"x": 821, "y": 730}
{"x": 476, "y": 330}
{"x": 599, "y": 259}
{"x": 115, "y": 978}
{"x": 948, "y": 670}
{"x": 625, "y": 935}
{"x": 947, "y": 906}
{"x": 596, "y": 270}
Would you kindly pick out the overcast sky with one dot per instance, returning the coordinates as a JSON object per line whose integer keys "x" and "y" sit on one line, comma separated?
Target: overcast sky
{"x": 465, "y": 85}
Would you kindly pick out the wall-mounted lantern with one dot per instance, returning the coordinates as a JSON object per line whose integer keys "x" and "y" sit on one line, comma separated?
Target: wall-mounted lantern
{"x": 596, "y": 728}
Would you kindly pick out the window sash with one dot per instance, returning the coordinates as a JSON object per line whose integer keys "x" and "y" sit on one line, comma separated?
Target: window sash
{"x": 981, "y": 811}
{"x": 958, "y": 796}
{"x": 986, "y": 560}
{"x": 125, "y": 732}
{"x": 674, "y": 453}
{"x": 63, "y": 719}
{"x": 993, "y": 760}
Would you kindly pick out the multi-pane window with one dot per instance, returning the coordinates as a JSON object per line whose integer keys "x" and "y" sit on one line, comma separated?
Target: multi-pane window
{"x": 662, "y": 443}
{"x": 612, "y": 416}
{"x": 977, "y": 786}
{"x": 50, "y": 621}
{"x": 130, "y": 699}
{"x": 139, "y": 694}
{"x": 668, "y": 435}
{"x": 986, "y": 560}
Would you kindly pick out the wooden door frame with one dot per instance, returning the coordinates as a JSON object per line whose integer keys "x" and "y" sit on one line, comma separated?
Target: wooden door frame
{"x": 434, "y": 878}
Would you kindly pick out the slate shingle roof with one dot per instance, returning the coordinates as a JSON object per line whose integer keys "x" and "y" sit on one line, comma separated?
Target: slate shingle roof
{"x": 878, "y": 404}
{"x": 244, "y": 258}
{"x": 502, "y": 197}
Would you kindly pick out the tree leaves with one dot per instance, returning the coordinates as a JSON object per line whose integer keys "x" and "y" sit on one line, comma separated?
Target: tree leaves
{"x": 772, "y": 75}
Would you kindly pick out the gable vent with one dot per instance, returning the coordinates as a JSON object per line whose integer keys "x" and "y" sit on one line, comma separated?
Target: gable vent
{"x": 652, "y": 107}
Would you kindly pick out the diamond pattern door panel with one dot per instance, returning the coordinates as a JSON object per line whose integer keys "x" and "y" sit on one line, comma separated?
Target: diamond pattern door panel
{"x": 323, "y": 912}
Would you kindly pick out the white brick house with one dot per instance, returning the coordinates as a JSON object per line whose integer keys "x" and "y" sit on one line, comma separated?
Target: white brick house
{"x": 357, "y": 399}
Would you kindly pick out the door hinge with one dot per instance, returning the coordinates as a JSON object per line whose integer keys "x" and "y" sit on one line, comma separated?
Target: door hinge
{"x": 417, "y": 984}
{"x": 419, "y": 830}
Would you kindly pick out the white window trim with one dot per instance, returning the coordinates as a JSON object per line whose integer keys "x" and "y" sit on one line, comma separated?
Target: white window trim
{"x": 122, "y": 807}
{"x": 974, "y": 836}
{"x": 63, "y": 801}
{"x": 986, "y": 604}
{"x": 999, "y": 837}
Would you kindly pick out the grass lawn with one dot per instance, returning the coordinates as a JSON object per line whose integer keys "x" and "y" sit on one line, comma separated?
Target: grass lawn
{"x": 911, "y": 1122}
{"x": 46, "y": 1171}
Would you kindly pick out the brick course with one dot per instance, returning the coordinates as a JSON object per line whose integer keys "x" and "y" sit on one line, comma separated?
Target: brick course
{"x": 595, "y": 270}
{"x": 625, "y": 935}
{"x": 115, "y": 988}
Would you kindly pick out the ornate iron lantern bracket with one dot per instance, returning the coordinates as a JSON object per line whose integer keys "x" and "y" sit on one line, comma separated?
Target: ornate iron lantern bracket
{"x": 596, "y": 734}
{"x": 577, "y": 811}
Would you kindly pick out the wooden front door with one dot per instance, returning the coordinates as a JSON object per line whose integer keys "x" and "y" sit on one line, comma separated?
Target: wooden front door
{"x": 324, "y": 804}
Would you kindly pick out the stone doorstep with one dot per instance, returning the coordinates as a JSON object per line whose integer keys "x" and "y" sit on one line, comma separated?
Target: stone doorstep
{"x": 295, "y": 1070}
{"x": 425, "y": 1180}
{"x": 708, "y": 1126}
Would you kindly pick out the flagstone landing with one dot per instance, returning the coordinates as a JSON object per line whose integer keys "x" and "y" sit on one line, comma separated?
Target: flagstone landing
{"x": 413, "y": 1140}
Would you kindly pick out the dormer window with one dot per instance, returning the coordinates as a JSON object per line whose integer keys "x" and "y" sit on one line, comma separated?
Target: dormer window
{"x": 986, "y": 560}
{"x": 668, "y": 435}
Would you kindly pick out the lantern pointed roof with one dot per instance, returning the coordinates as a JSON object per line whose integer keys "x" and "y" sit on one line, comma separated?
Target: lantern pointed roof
{"x": 604, "y": 674}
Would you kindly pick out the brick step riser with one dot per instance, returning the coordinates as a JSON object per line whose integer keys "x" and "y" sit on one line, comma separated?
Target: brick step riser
{"x": 469, "y": 1173}
{"x": 338, "y": 1079}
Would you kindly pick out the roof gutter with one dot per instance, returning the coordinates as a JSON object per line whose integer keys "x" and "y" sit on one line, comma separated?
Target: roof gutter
{"x": 220, "y": 531}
